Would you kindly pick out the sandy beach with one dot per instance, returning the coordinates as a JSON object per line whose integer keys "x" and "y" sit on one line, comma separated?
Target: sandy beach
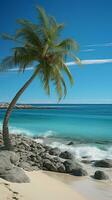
{"x": 41, "y": 187}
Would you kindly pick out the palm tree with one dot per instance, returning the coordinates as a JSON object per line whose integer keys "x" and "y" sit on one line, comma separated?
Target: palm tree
{"x": 38, "y": 45}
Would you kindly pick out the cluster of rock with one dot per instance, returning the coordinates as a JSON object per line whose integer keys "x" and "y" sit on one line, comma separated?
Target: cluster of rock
{"x": 34, "y": 156}
{"x": 30, "y": 155}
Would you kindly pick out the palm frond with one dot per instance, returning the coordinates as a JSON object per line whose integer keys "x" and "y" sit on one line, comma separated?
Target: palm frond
{"x": 43, "y": 17}
{"x": 69, "y": 44}
{"x": 6, "y": 36}
{"x": 41, "y": 44}
{"x": 67, "y": 71}
{"x": 7, "y": 64}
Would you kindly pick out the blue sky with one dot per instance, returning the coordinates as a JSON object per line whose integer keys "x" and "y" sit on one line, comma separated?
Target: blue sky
{"x": 87, "y": 21}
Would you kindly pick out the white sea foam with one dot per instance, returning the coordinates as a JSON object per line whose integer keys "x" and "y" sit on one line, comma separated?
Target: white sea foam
{"x": 15, "y": 130}
{"x": 46, "y": 134}
{"x": 92, "y": 152}
{"x": 80, "y": 151}
{"x": 39, "y": 140}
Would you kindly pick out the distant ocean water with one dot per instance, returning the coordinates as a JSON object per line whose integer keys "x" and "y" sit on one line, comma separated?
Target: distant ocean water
{"x": 89, "y": 126}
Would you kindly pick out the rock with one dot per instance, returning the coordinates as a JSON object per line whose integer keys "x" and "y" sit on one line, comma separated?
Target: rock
{"x": 60, "y": 168}
{"x": 84, "y": 157}
{"x": 35, "y": 168}
{"x": 38, "y": 158}
{"x": 49, "y": 165}
{"x": 30, "y": 154}
{"x": 10, "y": 172}
{"x": 70, "y": 143}
{"x": 86, "y": 161}
{"x": 54, "y": 151}
{"x": 15, "y": 175}
{"x": 103, "y": 163}
{"x": 14, "y": 158}
{"x": 5, "y": 163}
{"x": 33, "y": 158}
{"x": 26, "y": 166}
{"x": 26, "y": 145}
{"x": 10, "y": 156}
{"x": 56, "y": 159}
{"x": 70, "y": 166}
{"x": 47, "y": 148}
{"x": 100, "y": 175}
{"x": 46, "y": 156}
{"x": 79, "y": 172}
{"x": 23, "y": 156}
{"x": 66, "y": 155}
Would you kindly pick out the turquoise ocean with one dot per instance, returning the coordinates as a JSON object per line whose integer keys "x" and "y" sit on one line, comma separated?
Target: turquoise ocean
{"x": 88, "y": 126}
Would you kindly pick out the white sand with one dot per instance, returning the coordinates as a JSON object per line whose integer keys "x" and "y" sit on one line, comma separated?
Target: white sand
{"x": 41, "y": 187}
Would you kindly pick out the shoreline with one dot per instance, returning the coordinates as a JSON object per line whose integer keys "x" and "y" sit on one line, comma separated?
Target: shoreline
{"x": 52, "y": 186}
{"x": 58, "y": 153}
{"x": 41, "y": 187}
{"x": 45, "y": 167}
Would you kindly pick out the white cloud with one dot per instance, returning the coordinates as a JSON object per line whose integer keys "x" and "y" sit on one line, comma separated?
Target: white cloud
{"x": 107, "y": 44}
{"x": 87, "y": 50}
{"x": 91, "y": 62}
{"x": 83, "y": 62}
{"x": 16, "y": 69}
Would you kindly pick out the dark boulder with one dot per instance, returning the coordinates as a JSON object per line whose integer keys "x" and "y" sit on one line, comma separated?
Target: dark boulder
{"x": 70, "y": 143}
{"x": 100, "y": 175}
{"x": 54, "y": 151}
{"x": 60, "y": 167}
{"x": 79, "y": 172}
{"x": 66, "y": 155}
{"x": 49, "y": 165}
{"x": 70, "y": 166}
{"x": 103, "y": 163}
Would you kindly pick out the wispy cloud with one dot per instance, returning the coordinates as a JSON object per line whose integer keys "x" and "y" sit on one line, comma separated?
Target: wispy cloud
{"x": 91, "y": 62}
{"x": 16, "y": 69}
{"x": 83, "y": 62}
{"x": 107, "y": 44}
{"x": 87, "y": 50}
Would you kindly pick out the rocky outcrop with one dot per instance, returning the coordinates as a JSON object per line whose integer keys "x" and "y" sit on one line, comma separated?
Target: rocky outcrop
{"x": 34, "y": 156}
{"x": 100, "y": 175}
{"x": 30, "y": 155}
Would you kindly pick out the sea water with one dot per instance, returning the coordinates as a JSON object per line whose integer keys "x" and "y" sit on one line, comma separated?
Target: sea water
{"x": 88, "y": 126}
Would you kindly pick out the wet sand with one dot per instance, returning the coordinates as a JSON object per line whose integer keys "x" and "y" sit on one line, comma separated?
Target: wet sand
{"x": 41, "y": 187}
{"x": 88, "y": 187}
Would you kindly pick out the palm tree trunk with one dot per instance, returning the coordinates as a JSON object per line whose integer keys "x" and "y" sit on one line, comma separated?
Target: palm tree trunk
{"x": 5, "y": 132}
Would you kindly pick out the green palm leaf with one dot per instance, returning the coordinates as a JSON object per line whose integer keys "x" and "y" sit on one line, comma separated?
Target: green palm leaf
{"x": 40, "y": 43}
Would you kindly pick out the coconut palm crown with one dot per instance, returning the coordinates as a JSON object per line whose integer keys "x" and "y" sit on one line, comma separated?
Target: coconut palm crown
{"x": 39, "y": 46}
